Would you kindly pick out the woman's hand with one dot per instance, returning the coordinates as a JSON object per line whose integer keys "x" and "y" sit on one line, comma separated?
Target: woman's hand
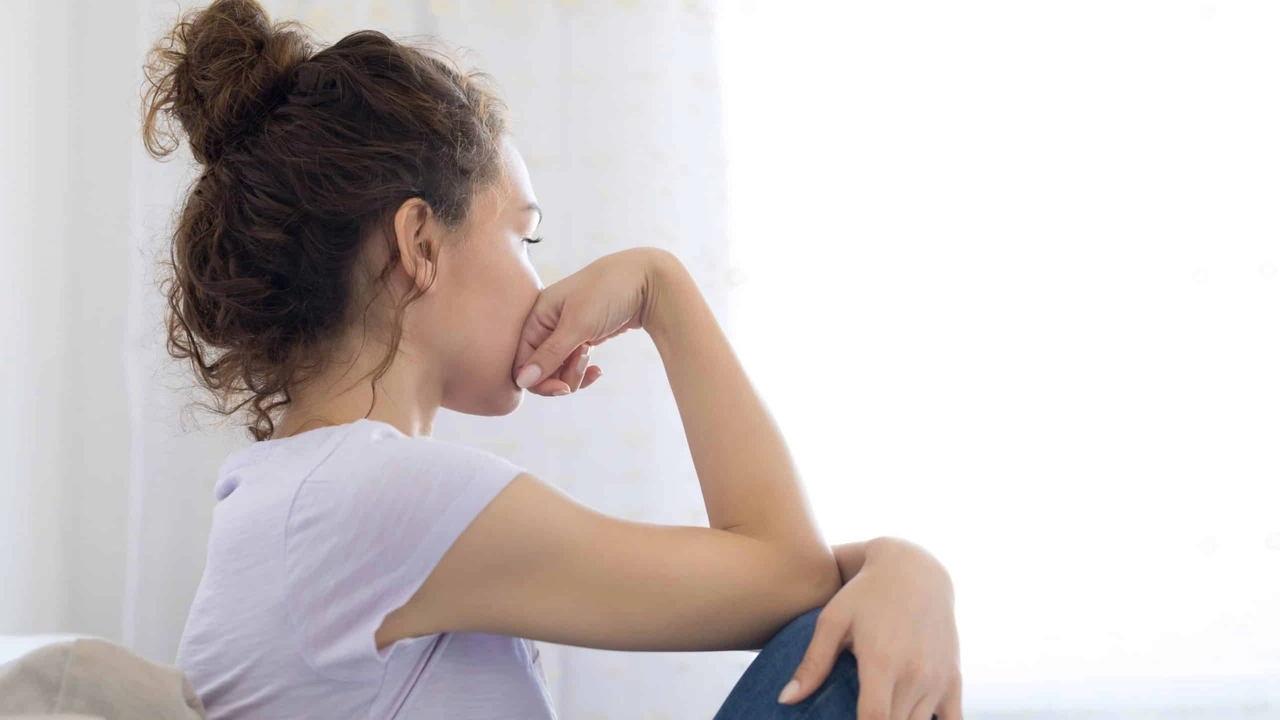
{"x": 601, "y": 301}
{"x": 897, "y": 616}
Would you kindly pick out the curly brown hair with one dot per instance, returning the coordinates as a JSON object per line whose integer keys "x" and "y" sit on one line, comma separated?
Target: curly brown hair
{"x": 306, "y": 155}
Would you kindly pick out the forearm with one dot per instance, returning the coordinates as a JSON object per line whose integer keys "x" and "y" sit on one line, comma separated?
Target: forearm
{"x": 749, "y": 483}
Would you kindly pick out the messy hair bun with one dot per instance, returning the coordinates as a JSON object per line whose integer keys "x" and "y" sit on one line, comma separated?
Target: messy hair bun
{"x": 227, "y": 68}
{"x": 306, "y": 154}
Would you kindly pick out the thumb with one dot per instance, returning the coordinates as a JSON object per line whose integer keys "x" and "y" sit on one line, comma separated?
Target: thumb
{"x": 816, "y": 665}
{"x": 549, "y": 354}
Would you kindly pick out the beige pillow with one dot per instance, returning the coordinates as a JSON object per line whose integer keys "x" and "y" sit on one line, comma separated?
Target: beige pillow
{"x": 95, "y": 678}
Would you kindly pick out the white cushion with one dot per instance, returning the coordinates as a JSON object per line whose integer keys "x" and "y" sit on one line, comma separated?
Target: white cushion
{"x": 13, "y": 647}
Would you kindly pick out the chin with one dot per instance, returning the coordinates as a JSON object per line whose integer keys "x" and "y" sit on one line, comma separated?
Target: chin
{"x": 510, "y": 402}
{"x": 502, "y": 402}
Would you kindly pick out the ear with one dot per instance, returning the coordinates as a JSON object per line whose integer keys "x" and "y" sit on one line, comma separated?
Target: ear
{"x": 418, "y": 236}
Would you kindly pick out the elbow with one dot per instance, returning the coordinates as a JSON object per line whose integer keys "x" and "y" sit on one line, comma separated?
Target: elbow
{"x": 797, "y": 582}
{"x": 827, "y": 572}
{"x": 817, "y": 578}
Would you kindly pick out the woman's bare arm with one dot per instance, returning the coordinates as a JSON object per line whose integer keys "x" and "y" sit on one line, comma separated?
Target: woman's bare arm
{"x": 749, "y": 483}
{"x": 537, "y": 564}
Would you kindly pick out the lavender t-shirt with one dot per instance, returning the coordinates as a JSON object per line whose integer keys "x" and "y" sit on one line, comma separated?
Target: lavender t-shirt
{"x": 316, "y": 538}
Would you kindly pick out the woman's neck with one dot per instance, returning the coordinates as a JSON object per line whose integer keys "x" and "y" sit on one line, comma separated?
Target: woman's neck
{"x": 407, "y": 398}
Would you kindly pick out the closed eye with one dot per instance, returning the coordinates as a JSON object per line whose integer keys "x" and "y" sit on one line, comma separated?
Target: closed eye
{"x": 532, "y": 240}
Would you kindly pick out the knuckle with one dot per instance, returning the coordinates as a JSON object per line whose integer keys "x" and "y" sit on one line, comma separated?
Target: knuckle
{"x": 917, "y": 669}
{"x": 935, "y": 682}
{"x": 913, "y": 670}
{"x": 554, "y": 347}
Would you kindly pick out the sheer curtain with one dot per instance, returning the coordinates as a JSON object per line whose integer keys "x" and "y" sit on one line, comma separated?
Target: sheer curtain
{"x": 616, "y": 111}
{"x": 106, "y": 496}
{"x": 65, "y": 118}
{"x": 1007, "y": 273}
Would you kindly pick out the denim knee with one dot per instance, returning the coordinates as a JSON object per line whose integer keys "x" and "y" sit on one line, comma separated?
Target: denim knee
{"x": 756, "y": 693}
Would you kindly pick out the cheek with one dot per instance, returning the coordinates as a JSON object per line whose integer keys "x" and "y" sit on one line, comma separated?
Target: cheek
{"x": 486, "y": 322}
{"x": 519, "y": 297}
{"x": 511, "y": 295}
{"x": 530, "y": 287}
{"x": 495, "y": 392}
{"x": 522, "y": 286}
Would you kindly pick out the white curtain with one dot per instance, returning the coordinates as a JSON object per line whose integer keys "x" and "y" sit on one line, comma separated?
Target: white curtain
{"x": 1019, "y": 300}
{"x": 108, "y": 496}
{"x": 64, "y": 279}
{"x": 1025, "y": 255}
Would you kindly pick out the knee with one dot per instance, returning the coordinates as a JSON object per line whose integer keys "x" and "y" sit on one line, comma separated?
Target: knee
{"x": 787, "y": 649}
{"x": 798, "y": 632}
{"x": 755, "y": 695}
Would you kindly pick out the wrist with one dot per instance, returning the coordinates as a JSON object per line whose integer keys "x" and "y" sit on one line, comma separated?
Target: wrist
{"x": 884, "y": 544}
{"x": 664, "y": 277}
{"x": 892, "y": 549}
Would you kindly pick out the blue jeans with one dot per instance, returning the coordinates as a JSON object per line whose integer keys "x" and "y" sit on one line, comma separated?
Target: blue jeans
{"x": 756, "y": 694}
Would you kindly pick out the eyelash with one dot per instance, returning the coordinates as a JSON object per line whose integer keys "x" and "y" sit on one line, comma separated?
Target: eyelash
{"x": 532, "y": 241}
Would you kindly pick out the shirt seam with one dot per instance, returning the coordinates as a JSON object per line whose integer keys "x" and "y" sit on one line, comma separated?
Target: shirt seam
{"x": 284, "y": 583}
{"x": 538, "y": 679}
{"x": 442, "y": 640}
{"x": 430, "y": 540}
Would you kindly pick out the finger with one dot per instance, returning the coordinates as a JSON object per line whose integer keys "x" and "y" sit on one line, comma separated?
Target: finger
{"x": 826, "y": 645}
{"x": 908, "y": 691}
{"x": 549, "y": 355}
{"x": 949, "y": 709}
{"x": 875, "y": 693}
{"x": 593, "y": 374}
{"x": 551, "y": 387}
{"x": 539, "y": 324}
{"x": 576, "y": 367}
{"x": 558, "y": 382}
{"x": 924, "y": 708}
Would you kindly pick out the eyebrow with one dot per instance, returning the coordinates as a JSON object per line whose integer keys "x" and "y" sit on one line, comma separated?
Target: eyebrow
{"x": 534, "y": 207}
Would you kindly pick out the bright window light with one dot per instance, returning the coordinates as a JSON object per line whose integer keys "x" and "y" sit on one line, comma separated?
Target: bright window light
{"x": 1008, "y": 276}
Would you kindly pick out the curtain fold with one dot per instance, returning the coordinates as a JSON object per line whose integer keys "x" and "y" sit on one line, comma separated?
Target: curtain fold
{"x": 106, "y": 500}
{"x": 616, "y": 111}
{"x": 67, "y": 101}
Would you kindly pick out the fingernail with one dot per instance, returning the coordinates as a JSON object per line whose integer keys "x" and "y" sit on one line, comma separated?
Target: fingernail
{"x": 580, "y": 366}
{"x": 561, "y": 391}
{"x": 528, "y": 376}
{"x": 789, "y": 692}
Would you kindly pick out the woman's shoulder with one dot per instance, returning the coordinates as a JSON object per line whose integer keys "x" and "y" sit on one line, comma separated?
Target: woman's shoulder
{"x": 383, "y": 448}
{"x": 374, "y": 468}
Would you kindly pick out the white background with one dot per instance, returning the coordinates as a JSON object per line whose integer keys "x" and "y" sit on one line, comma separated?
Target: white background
{"x": 1007, "y": 274}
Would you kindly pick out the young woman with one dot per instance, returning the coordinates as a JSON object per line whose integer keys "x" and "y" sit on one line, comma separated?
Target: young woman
{"x": 354, "y": 257}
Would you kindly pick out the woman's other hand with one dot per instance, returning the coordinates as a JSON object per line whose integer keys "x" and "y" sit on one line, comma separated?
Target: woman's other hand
{"x": 601, "y": 301}
{"x": 897, "y": 616}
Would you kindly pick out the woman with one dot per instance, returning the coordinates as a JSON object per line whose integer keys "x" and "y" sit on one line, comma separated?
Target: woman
{"x": 354, "y": 257}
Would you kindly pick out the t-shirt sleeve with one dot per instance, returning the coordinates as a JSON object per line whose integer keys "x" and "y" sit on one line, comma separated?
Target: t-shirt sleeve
{"x": 362, "y": 536}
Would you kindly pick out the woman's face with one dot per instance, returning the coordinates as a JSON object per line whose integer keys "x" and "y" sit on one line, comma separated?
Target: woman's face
{"x": 469, "y": 322}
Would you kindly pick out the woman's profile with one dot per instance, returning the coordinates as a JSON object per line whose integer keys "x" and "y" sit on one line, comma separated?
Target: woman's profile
{"x": 354, "y": 257}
